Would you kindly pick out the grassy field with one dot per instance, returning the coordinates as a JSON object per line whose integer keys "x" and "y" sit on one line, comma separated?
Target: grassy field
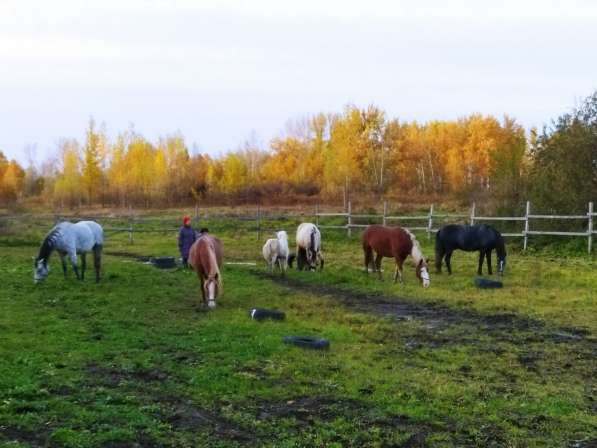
{"x": 135, "y": 361}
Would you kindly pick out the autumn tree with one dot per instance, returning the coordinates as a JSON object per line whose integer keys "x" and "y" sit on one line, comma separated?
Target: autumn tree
{"x": 12, "y": 178}
{"x": 91, "y": 176}
{"x": 68, "y": 188}
{"x": 563, "y": 174}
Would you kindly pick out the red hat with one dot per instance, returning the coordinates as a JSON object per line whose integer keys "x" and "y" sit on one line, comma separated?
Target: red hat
{"x": 186, "y": 220}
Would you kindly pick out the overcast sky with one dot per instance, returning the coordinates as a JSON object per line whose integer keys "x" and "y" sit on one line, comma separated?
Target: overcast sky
{"x": 220, "y": 71}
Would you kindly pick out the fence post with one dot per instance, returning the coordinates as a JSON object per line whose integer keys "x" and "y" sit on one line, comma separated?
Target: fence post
{"x": 473, "y": 214}
{"x": 258, "y": 223}
{"x": 130, "y": 231}
{"x": 430, "y": 223}
{"x": 348, "y": 228}
{"x": 526, "y": 225}
{"x": 385, "y": 212}
{"x": 590, "y": 228}
{"x": 317, "y": 215}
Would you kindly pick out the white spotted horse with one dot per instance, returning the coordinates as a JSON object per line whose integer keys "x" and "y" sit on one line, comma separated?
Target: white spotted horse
{"x": 70, "y": 240}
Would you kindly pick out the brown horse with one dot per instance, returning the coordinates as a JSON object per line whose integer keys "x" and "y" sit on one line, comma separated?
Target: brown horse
{"x": 205, "y": 257}
{"x": 396, "y": 243}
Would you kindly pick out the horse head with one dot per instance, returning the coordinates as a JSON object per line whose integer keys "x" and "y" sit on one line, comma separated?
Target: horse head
{"x": 501, "y": 264}
{"x": 291, "y": 258}
{"x": 312, "y": 260}
{"x": 40, "y": 269}
{"x": 423, "y": 273}
{"x": 211, "y": 287}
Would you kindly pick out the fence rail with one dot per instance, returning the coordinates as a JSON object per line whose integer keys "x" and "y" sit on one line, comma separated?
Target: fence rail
{"x": 429, "y": 228}
{"x": 132, "y": 224}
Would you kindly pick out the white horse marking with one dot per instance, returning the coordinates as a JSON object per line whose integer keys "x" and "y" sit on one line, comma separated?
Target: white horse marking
{"x": 425, "y": 277}
{"x": 417, "y": 257}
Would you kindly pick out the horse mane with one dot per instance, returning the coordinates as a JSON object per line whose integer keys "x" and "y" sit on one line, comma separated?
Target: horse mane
{"x": 214, "y": 261}
{"x": 416, "y": 249}
{"x": 48, "y": 244}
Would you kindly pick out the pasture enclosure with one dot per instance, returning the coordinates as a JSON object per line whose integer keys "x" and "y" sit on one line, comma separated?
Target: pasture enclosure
{"x": 430, "y": 221}
{"x": 261, "y": 221}
{"x": 134, "y": 360}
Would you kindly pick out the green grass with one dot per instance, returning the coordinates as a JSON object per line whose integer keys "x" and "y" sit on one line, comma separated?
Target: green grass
{"x": 135, "y": 360}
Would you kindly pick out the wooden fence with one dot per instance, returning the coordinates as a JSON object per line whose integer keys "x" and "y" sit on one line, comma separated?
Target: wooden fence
{"x": 430, "y": 218}
{"x": 423, "y": 222}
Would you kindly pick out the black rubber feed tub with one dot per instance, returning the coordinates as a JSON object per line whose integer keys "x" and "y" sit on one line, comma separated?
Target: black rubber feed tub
{"x": 308, "y": 342}
{"x": 164, "y": 262}
{"x": 487, "y": 283}
{"x": 262, "y": 313}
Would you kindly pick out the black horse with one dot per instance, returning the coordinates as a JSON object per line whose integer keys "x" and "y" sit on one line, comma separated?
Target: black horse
{"x": 479, "y": 237}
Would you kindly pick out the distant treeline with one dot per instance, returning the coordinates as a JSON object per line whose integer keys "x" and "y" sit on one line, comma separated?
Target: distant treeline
{"x": 359, "y": 152}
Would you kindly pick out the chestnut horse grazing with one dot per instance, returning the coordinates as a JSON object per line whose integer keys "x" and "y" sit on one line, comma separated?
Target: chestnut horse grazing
{"x": 205, "y": 257}
{"x": 396, "y": 243}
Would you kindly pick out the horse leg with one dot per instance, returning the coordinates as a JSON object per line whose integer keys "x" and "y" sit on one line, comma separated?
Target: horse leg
{"x": 449, "y": 262}
{"x": 73, "y": 262}
{"x": 83, "y": 265}
{"x": 368, "y": 258}
{"x": 320, "y": 257}
{"x": 97, "y": 261}
{"x": 439, "y": 255}
{"x": 202, "y": 281}
{"x": 63, "y": 260}
{"x": 377, "y": 267}
{"x": 398, "y": 271}
{"x": 488, "y": 255}
{"x": 481, "y": 256}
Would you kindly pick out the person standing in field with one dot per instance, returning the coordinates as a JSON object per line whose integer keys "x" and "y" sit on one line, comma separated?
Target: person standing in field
{"x": 186, "y": 238}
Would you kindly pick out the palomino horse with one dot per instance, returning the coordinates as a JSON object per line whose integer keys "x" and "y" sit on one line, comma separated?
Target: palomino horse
{"x": 70, "y": 239}
{"x": 396, "y": 243}
{"x": 308, "y": 247}
{"x": 275, "y": 252}
{"x": 205, "y": 257}
{"x": 479, "y": 237}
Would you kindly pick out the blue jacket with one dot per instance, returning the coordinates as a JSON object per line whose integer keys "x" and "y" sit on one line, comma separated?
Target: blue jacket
{"x": 186, "y": 238}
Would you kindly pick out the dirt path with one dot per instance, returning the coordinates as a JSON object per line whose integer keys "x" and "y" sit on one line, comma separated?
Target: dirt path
{"x": 458, "y": 322}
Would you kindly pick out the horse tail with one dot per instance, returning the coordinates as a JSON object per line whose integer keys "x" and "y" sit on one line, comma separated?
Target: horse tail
{"x": 312, "y": 244}
{"x": 368, "y": 255}
{"x": 439, "y": 251}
